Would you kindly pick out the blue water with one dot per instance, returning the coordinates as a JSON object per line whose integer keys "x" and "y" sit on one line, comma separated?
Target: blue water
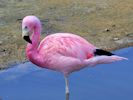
{"x": 103, "y": 82}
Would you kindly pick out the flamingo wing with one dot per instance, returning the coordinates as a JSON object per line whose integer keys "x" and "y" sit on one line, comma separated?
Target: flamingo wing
{"x": 66, "y": 44}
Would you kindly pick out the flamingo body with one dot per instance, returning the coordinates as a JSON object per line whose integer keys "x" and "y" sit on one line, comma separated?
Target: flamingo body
{"x": 65, "y": 52}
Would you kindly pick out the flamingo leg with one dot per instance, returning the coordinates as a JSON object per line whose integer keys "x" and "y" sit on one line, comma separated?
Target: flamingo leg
{"x": 67, "y": 88}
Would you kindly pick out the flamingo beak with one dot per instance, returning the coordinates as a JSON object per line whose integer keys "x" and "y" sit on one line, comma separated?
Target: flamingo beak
{"x": 25, "y": 35}
{"x": 27, "y": 38}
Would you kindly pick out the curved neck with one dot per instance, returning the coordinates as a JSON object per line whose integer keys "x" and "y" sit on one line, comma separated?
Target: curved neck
{"x": 31, "y": 50}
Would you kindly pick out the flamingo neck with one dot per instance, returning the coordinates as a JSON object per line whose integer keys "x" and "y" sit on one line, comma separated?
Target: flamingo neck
{"x": 31, "y": 50}
{"x": 35, "y": 37}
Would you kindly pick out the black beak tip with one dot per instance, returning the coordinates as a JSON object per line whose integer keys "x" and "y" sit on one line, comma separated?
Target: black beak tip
{"x": 27, "y": 38}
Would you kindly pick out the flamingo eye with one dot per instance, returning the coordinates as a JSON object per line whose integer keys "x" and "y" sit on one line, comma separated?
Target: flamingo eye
{"x": 25, "y": 27}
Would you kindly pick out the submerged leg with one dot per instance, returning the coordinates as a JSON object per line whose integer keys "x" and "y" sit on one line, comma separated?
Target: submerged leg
{"x": 67, "y": 88}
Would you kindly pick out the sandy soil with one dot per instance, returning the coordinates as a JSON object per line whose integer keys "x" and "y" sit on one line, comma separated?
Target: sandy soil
{"x": 106, "y": 23}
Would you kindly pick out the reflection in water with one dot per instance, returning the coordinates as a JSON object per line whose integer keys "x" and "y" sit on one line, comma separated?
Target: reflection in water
{"x": 104, "y": 82}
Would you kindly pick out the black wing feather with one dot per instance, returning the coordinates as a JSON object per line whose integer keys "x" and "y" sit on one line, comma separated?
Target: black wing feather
{"x": 103, "y": 52}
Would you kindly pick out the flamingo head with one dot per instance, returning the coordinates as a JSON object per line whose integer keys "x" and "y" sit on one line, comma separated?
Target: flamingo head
{"x": 29, "y": 25}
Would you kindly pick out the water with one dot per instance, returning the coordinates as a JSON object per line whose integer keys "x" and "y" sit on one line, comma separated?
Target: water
{"x": 104, "y": 82}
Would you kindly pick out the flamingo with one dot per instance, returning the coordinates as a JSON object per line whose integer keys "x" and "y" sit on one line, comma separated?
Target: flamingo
{"x": 62, "y": 52}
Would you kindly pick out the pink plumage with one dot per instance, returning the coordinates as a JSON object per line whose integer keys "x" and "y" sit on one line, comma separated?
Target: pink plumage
{"x": 63, "y": 52}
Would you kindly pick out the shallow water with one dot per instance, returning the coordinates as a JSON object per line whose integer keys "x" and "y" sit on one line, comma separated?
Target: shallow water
{"x": 104, "y": 82}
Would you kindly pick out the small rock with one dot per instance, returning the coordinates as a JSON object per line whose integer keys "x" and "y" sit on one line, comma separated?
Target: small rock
{"x": 125, "y": 40}
{"x": 129, "y": 34}
{"x": 3, "y": 50}
{"x": 106, "y": 30}
{"x": 115, "y": 39}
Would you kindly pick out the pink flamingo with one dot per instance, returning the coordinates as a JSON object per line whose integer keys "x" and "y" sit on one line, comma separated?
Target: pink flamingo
{"x": 63, "y": 52}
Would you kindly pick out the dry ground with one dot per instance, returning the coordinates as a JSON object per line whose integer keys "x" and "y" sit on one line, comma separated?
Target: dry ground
{"x": 106, "y": 23}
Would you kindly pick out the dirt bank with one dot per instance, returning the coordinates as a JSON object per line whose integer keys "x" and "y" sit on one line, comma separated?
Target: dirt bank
{"x": 106, "y": 23}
